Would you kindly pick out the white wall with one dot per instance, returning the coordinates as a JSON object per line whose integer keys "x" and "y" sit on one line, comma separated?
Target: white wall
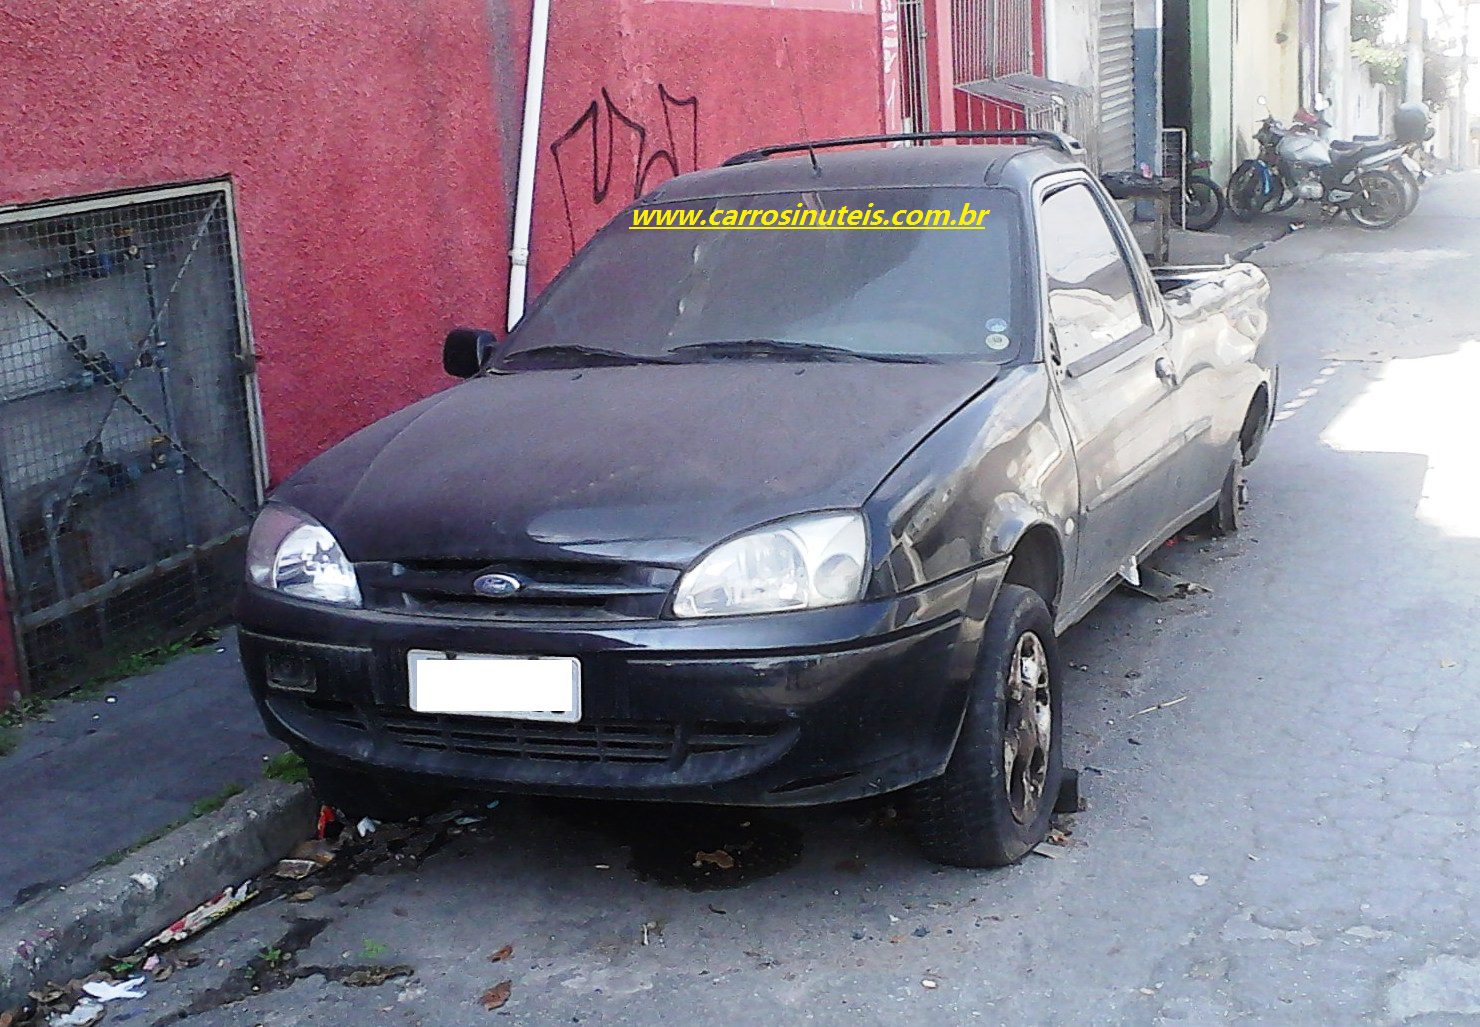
{"x": 1368, "y": 107}
{"x": 1072, "y": 34}
{"x": 1266, "y": 62}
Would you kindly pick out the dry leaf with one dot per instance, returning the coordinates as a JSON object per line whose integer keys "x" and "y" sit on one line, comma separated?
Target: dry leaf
{"x": 306, "y": 895}
{"x": 497, "y": 995}
{"x": 502, "y": 954}
{"x": 718, "y": 858}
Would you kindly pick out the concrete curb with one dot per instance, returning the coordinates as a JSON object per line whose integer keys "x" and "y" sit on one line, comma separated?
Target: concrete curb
{"x": 68, "y": 933}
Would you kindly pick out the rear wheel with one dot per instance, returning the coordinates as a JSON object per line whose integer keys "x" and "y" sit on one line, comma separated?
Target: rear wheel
{"x": 994, "y": 802}
{"x": 1203, "y": 205}
{"x": 1222, "y": 518}
{"x": 1380, "y": 201}
{"x": 1410, "y": 189}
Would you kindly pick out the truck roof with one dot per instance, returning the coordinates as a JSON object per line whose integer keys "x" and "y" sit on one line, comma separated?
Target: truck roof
{"x": 1010, "y": 166}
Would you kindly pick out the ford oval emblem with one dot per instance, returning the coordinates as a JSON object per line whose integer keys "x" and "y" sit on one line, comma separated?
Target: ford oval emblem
{"x": 497, "y": 586}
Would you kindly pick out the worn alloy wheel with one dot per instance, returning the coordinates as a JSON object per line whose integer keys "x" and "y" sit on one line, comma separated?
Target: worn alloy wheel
{"x": 1028, "y": 728}
{"x": 994, "y": 802}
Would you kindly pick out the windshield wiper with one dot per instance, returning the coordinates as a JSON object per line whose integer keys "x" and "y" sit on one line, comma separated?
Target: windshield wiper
{"x": 567, "y": 352}
{"x": 742, "y": 348}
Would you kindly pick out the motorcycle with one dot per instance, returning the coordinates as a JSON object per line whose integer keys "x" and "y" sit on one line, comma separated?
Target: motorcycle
{"x": 1404, "y": 163}
{"x": 1296, "y": 164}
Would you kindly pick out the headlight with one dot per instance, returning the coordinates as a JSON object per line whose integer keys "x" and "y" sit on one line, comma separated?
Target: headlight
{"x": 805, "y": 562}
{"x": 292, "y": 553}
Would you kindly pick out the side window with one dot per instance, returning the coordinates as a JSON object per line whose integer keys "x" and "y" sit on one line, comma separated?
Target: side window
{"x": 1091, "y": 293}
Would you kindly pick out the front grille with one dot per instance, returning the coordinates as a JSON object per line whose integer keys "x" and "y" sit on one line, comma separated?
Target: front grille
{"x": 607, "y": 741}
{"x": 550, "y": 590}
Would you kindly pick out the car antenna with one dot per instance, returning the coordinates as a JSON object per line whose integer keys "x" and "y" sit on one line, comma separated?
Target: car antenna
{"x": 801, "y": 114}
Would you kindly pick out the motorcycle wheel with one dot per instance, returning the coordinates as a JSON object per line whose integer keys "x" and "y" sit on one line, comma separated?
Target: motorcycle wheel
{"x": 1203, "y": 205}
{"x": 1247, "y": 194}
{"x": 1410, "y": 189}
{"x": 1287, "y": 196}
{"x": 1380, "y": 201}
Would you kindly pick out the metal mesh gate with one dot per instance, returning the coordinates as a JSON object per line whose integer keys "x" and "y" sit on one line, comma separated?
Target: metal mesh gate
{"x": 914, "y": 80}
{"x": 130, "y": 464}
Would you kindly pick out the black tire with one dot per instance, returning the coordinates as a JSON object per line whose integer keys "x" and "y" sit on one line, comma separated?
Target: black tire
{"x": 1204, "y": 204}
{"x": 1380, "y": 201}
{"x": 355, "y": 795}
{"x": 1222, "y": 518}
{"x": 1410, "y": 188}
{"x": 1246, "y": 194}
{"x": 978, "y": 814}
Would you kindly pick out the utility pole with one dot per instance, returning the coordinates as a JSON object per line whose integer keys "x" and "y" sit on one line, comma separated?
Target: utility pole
{"x": 1413, "y": 88}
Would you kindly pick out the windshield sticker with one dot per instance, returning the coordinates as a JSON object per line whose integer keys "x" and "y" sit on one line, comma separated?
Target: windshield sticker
{"x": 998, "y": 341}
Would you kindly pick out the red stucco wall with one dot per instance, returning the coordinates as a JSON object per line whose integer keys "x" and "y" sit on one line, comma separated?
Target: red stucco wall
{"x": 372, "y": 144}
{"x": 684, "y": 84}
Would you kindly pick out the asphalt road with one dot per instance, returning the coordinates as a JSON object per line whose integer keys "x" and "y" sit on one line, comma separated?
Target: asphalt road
{"x": 1292, "y": 843}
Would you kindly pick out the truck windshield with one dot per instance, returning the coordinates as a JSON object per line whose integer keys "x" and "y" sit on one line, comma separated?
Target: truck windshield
{"x": 791, "y": 276}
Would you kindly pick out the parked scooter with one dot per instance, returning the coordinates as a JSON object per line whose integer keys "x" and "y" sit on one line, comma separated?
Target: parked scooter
{"x": 1296, "y": 164}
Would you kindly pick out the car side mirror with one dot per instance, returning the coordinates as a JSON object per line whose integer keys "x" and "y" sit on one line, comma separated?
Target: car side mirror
{"x": 466, "y": 350}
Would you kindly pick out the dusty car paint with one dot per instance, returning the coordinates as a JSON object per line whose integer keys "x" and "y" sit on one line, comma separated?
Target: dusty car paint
{"x": 967, "y": 475}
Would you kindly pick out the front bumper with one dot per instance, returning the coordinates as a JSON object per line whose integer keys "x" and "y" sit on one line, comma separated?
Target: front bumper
{"x": 787, "y": 709}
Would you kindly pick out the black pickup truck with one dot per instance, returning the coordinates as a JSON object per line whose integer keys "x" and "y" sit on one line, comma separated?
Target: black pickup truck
{"x": 767, "y": 517}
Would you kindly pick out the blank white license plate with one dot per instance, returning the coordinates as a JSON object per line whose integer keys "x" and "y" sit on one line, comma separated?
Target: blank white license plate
{"x": 517, "y": 687}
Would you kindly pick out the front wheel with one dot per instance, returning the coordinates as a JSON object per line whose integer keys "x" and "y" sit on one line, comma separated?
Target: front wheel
{"x": 1249, "y": 190}
{"x": 1203, "y": 205}
{"x": 993, "y": 804}
{"x": 1380, "y": 200}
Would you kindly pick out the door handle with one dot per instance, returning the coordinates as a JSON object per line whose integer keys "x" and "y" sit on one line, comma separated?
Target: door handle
{"x": 1167, "y": 371}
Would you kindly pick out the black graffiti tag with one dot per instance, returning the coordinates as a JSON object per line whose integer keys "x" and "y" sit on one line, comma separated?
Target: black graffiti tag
{"x": 647, "y": 168}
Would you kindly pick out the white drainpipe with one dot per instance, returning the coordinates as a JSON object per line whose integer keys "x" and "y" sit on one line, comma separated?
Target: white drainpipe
{"x": 529, "y": 143}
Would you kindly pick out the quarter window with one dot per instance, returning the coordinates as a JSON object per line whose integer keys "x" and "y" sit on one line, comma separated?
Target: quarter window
{"x": 1091, "y": 293}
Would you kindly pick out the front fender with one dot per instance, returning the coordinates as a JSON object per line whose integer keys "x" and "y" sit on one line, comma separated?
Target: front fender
{"x": 968, "y": 492}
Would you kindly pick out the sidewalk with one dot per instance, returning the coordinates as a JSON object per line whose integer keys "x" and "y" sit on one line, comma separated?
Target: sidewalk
{"x": 1232, "y": 239}
{"x": 100, "y": 776}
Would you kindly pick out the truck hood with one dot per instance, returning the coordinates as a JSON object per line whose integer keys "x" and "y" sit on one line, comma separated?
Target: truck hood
{"x": 650, "y": 464}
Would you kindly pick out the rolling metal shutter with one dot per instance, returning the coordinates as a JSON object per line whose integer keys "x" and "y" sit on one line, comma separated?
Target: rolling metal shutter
{"x": 1117, "y": 91}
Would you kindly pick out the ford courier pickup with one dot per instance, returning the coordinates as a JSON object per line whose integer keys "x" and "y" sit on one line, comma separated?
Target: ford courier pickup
{"x": 780, "y": 494}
